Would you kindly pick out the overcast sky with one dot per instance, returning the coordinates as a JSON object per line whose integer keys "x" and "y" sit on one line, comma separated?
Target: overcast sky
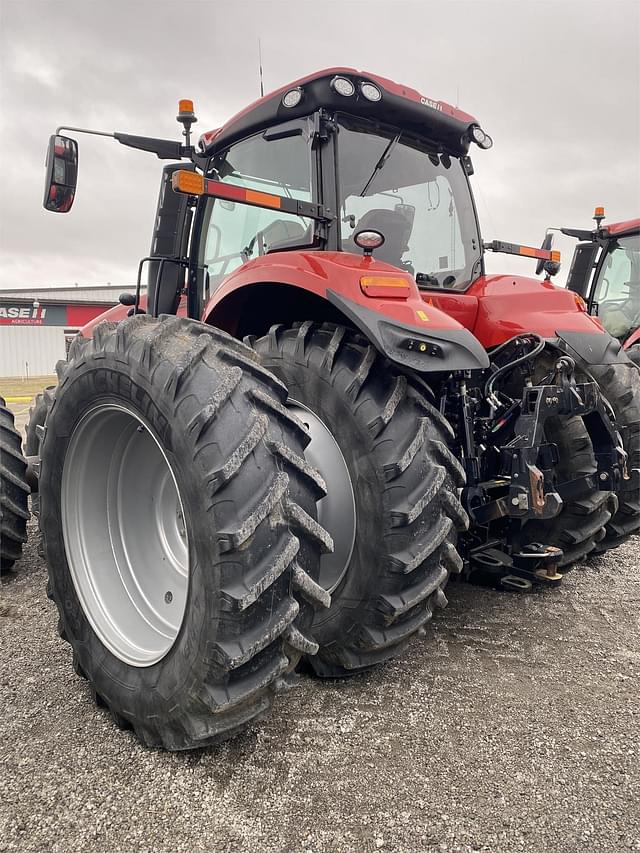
{"x": 557, "y": 85}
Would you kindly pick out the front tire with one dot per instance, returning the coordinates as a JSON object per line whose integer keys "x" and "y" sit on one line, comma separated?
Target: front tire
{"x": 401, "y": 486}
{"x": 178, "y": 520}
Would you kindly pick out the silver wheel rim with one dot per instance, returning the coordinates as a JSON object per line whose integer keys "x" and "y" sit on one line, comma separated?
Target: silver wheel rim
{"x": 337, "y": 510}
{"x": 124, "y": 534}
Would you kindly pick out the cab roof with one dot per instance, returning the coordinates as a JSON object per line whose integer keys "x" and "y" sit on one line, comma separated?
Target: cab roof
{"x": 619, "y": 229}
{"x": 447, "y": 126}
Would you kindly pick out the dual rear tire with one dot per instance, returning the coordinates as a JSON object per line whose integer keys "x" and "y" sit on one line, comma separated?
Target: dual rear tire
{"x": 392, "y": 508}
{"x": 180, "y": 527}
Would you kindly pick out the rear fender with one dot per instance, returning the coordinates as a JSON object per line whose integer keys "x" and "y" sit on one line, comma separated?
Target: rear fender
{"x": 405, "y": 330}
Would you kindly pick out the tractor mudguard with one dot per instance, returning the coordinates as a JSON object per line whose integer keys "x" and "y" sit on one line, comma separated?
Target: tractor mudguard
{"x": 412, "y": 347}
{"x": 402, "y": 327}
{"x": 591, "y": 348}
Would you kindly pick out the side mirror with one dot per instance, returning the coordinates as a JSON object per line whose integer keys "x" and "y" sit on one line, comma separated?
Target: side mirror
{"x": 62, "y": 174}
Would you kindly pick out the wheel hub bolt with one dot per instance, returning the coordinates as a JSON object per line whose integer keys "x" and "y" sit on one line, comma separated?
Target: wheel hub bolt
{"x": 168, "y": 597}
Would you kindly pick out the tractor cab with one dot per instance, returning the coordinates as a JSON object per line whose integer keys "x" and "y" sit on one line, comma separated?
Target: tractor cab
{"x": 365, "y": 155}
{"x": 343, "y": 166}
{"x": 364, "y": 176}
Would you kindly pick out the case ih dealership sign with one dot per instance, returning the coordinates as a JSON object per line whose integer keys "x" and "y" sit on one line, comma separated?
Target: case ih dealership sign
{"x": 28, "y": 314}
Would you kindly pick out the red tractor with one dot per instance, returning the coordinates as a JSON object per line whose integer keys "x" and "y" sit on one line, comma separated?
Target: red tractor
{"x": 213, "y": 510}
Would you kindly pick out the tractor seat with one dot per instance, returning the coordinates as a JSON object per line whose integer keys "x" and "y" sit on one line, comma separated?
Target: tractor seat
{"x": 282, "y": 234}
{"x": 396, "y": 228}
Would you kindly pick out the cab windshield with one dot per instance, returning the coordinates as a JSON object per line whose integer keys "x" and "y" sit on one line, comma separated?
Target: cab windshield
{"x": 617, "y": 290}
{"x": 418, "y": 199}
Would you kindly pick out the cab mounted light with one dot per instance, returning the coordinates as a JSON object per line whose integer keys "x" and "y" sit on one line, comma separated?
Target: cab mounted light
{"x": 598, "y": 215}
{"x": 190, "y": 183}
{"x": 343, "y": 86}
{"x": 478, "y": 135}
{"x": 368, "y": 240}
{"x": 185, "y": 110}
{"x": 482, "y": 139}
{"x": 370, "y": 92}
{"x": 292, "y": 98}
{"x": 186, "y": 117}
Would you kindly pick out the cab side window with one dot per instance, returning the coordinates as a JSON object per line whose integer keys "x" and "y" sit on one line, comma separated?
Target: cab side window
{"x": 617, "y": 290}
{"x": 237, "y": 233}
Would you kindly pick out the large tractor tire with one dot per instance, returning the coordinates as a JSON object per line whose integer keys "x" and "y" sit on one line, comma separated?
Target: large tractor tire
{"x": 634, "y": 354}
{"x": 580, "y": 525}
{"x": 392, "y": 507}
{"x": 37, "y": 418}
{"x": 620, "y": 384}
{"x": 14, "y": 491}
{"x": 178, "y": 515}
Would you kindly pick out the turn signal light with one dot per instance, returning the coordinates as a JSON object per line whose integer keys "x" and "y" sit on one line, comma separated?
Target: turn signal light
{"x": 384, "y": 286}
{"x": 555, "y": 256}
{"x": 191, "y": 183}
{"x": 582, "y": 305}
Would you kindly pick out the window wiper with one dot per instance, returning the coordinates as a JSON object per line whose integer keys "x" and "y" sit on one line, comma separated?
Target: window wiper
{"x": 381, "y": 163}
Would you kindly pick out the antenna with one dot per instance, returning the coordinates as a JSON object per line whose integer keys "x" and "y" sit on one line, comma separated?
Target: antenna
{"x": 260, "y": 66}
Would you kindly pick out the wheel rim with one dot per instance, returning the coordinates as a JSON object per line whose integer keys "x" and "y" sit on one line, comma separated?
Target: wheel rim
{"x": 337, "y": 510}
{"x": 124, "y": 534}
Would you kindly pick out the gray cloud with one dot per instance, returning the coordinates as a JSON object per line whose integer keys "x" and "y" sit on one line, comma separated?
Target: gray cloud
{"x": 557, "y": 84}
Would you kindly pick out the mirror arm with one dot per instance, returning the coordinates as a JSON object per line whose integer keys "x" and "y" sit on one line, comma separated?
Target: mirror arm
{"x": 164, "y": 149}
{"x": 84, "y": 130}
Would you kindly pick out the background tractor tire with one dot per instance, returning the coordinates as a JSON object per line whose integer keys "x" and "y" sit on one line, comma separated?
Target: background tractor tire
{"x": 634, "y": 354}
{"x": 399, "y": 493}
{"x": 620, "y": 384}
{"x": 14, "y": 491}
{"x": 167, "y": 453}
{"x": 580, "y": 525}
{"x": 37, "y": 417}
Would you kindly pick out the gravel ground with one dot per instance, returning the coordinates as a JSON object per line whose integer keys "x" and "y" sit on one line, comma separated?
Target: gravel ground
{"x": 513, "y": 725}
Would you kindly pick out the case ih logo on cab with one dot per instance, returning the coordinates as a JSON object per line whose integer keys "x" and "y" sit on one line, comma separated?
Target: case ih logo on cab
{"x": 427, "y": 102}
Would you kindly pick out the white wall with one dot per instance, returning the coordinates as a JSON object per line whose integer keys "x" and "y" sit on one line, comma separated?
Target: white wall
{"x": 32, "y": 350}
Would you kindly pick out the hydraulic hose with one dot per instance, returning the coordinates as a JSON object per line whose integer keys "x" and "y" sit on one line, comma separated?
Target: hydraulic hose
{"x": 488, "y": 388}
